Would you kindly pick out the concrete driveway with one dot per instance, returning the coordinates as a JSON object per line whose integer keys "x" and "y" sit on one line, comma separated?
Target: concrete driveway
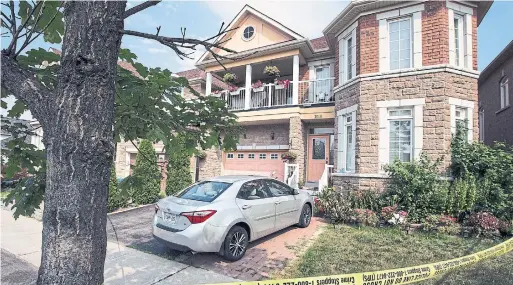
{"x": 263, "y": 257}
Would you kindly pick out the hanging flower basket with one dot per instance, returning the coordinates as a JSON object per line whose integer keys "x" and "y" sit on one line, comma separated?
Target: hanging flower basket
{"x": 282, "y": 84}
{"x": 288, "y": 155}
{"x": 229, "y": 77}
{"x": 258, "y": 86}
{"x": 272, "y": 70}
{"x": 234, "y": 90}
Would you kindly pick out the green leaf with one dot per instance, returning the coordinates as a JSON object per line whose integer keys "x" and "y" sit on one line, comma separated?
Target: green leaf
{"x": 24, "y": 10}
{"x": 17, "y": 109}
{"x": 141, "y": 69}
{"x": 127, "y": 55}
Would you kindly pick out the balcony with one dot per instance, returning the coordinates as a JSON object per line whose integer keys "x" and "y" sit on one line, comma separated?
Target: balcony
{"x": 252, "y": 87}
{"x": 273, "y": 95}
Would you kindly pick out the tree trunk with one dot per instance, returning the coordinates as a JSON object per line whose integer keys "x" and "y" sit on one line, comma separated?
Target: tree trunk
{"x": 80, "y": 145}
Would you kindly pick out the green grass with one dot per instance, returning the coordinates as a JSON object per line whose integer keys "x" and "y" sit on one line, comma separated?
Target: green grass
{"x": 351, "y": 250}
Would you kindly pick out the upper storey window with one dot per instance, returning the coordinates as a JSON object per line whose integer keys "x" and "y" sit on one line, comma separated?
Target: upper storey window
{"x": 249, "y": 33}
{"x": 347, "y": 54}
{"x": 460, "y": 35}
{"x": 400, "y": 38}
{"x": 400, "y": 42}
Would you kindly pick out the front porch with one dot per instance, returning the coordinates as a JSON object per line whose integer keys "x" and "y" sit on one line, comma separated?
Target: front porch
{"x": 253, "y": 89}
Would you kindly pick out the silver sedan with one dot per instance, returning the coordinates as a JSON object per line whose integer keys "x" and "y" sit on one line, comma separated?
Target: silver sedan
{"x": 225, "y": 213}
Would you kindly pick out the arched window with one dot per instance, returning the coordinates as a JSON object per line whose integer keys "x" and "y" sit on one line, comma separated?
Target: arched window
{"x": 504, "y": 89}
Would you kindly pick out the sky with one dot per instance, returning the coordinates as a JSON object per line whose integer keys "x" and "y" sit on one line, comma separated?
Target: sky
{"x": 202, "y": 19}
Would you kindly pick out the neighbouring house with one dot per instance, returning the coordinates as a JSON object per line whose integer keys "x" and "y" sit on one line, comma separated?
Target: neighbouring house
{"x": 36, "y": 138}
{"x": 387, "y": 80}
{"x": 495, "y": 98}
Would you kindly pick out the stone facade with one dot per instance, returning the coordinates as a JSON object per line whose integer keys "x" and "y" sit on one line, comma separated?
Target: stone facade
{"x": 211, "y": 165}
{"x": 298, "y": 143}
{"x": 262, "y": 135}
{"x": 347, "y": 183}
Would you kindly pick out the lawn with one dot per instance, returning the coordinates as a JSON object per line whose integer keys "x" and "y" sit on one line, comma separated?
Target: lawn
{"x": 350, "y": 250}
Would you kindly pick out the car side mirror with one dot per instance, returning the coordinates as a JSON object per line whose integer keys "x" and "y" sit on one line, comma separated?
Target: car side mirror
{"x": 296, "y": 192}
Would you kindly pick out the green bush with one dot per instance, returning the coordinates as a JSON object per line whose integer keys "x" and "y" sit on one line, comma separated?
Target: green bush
{"x": 365, "y": 199}
{"x": 416, "y": 187}
{"x": 492, "y": 170}
{"x": 462, "y": 196}
{"x": 178, "y": 168}
{"x": 115, "y": 200}
{"x": 336, "y": 207}
{"x": 146, "y": 175}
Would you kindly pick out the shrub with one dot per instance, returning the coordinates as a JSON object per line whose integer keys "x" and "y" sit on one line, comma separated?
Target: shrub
{"x": 492, "y": 170}
{"x": 178, "y": 168}
{"x": 416, "y": 187}
{"x": 230, "y": 77}
{"x": 335, "y": 206}
{"x": 388, "y": 212}
{"x": 462, "y": 196}
{"x": 364, "y": 217}
{"x": 506, "y": 228}
{"x": 115, "y": 199}
{"x": 146, "y": 175}
{"x": 364, "y": 199}
{"x": 484, "y": 223}
{"x": 442, "y": 224}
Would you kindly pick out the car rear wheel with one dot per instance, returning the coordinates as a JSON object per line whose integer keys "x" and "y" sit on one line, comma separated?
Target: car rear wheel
{"x": 306, "y": 216}
{"x": 235, "y": 243}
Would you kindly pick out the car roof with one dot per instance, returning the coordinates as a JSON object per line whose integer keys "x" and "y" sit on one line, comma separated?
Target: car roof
{"x": 236, "y": 178}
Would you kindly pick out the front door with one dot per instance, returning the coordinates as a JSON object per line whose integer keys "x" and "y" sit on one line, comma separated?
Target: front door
{"x": 318, "y": 156}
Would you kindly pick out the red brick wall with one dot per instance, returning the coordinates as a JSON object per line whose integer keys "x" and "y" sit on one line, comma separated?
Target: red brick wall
{"x": 435, "y": 34}
{"x": 368, "y": 45}
{"x": 474, "y": 39}
{"x": 336, "y": 63}
{"x": 304, "y": 75}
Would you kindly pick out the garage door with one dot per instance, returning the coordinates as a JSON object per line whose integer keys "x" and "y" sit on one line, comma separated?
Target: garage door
{"x": 254, "y": 163}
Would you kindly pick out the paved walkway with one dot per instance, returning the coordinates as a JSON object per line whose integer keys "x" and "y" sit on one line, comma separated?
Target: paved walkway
{"x": 123, "y": 265}
{"x": 263, "y": 258}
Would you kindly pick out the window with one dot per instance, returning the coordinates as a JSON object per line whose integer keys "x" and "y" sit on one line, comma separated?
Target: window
{"x": 262, "y": 156}
{"x": 251, "y": 156}
{"x": 229, "y": 155}
{"x": 248, "y": 33}
{"x": 349, "y": 65}
{"x": 206, "y": 191}
{"x": 400, "y": 135}
{"x": 461, "y": 121}
{"x": 400, "y": 41}
{"x": 279, "y": 189}
{"x": 348, "y": 125}
{"x": 254, "y": 190}
{"x": 274, "y": 156}
{"x": 459, "y": 43}
{"x": 504, "y": 92}
{"x": 240, "y": 155}
{"x": 319, "y": 148}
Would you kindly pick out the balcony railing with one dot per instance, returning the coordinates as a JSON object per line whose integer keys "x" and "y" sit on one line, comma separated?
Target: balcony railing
{"x": 270, "y": 95}
{"x": 316, "y": 91}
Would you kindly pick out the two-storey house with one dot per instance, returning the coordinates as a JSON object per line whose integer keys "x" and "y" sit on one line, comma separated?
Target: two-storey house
{"x": 387, "y": 80}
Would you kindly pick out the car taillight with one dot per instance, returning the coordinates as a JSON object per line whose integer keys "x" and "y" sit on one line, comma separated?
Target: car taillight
{"x": 198, "y": 217}
{"x": 157, "y": 208}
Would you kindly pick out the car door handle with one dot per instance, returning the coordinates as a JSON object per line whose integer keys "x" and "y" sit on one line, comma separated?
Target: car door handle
{"x": 277, "y": 202}
{"x": 246, "y": 207}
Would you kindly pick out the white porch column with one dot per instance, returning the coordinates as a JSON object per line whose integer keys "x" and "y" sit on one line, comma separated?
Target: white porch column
{"x": 208, "y": 87}
{"x": 248, "y": 87}
{"x": 295, "y": 80}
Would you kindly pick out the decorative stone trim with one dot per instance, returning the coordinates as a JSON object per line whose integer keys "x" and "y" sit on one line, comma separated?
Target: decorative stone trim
{"x": 360, "y": 175}
{"x": 342, "y": 135}
{"x": 460, "y": 8}
{"x": 466, "y": 59}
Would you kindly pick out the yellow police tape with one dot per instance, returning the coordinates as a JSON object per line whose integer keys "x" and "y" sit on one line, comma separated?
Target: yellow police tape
{"x": 394, "y": 276}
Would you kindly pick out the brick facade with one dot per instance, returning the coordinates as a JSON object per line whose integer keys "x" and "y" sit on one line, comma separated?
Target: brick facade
{"x": 261, "y": 135}
{"x": 367, "y": 45}
{"x": 435, "y": 34}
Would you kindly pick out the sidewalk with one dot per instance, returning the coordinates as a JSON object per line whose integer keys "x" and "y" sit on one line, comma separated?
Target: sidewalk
{"x": 22, "y": 238}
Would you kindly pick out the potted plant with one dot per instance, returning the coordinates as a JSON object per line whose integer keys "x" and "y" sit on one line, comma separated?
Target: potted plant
{"x": 258, "y": 86}
{"x": 288, "y": 155}
{"x": 282, "y": 84}
{"x": 272, "y": 70}
{"x": 234, "y": 90}
{"x": 229, "y": 77}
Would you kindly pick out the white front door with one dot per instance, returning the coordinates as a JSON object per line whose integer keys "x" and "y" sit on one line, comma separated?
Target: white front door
{"x": 258, "y": 206}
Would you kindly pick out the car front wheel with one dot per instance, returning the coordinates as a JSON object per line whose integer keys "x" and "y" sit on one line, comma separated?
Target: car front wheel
{"x": 235, "y": 243}
{"x": 306, "y": 216}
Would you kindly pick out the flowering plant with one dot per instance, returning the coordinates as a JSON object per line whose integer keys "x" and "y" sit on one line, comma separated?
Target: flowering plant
{"x": 388, "y": 212}
{"x": 285, "y": 82}
{"x": 272, "y": 70}
{"x": 484, "y": 222}
{"x": 257, "y": 84}
{"x": 229, "y": 77}
{"x": 233, "y": 88}
{"x": 364, "y": 217}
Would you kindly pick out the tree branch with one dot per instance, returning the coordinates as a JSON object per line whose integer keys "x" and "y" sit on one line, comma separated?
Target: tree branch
{"x": 12, "y": 45}
{"x": 24, "y": 85}
{"x": 140, "y": 7}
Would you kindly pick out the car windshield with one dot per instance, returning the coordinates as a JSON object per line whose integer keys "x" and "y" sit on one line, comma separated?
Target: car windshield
{"x": 206, "y": 191}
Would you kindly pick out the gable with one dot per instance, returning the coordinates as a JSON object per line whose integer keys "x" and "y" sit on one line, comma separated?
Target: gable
{"x": 267, "y": 31}
{"x": 265, "y": 34}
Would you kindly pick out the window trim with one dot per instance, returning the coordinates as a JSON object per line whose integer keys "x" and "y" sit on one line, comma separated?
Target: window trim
{"x": 456, "y": 103}
{"x": 466, "y": 59}
{"x": 264, "y": 155}
{"x": 230, "y": 154}
{"x": 459, "y": 56}
{"x": 409, "y": 118}
{"x": 504, "y": 92}
{"x": 251, "y": 154}
{"x": 240, "y": 156}
{"x": 342, "y": 116}
{"x": 252, "y": 36}
{"x": 349, "y": 68}
{"x": 274, "y": 154}
{"x": 342, "y": 38}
